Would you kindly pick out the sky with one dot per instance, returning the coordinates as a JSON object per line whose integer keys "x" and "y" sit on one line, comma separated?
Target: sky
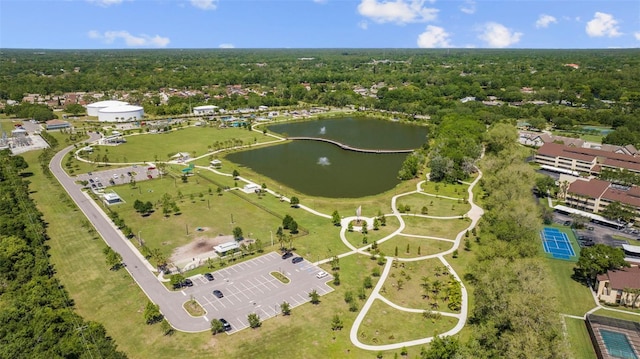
{"x": 124, "y": 24}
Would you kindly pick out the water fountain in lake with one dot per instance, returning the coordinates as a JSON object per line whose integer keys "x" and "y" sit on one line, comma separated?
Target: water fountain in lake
{"x": 323, "y": 161}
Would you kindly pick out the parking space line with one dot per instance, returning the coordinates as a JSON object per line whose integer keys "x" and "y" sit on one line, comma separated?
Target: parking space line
{"x": 270, "y": 281}
{"x": 255, "y": 286}
{"x": 248, "y": 289}
{"x": 242, "y": 291}
{"x": 220, "y": 301}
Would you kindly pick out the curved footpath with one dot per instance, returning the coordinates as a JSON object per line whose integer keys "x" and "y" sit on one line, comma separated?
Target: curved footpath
{"x": 170, "y": 302}
{"x": 474, "y": 214}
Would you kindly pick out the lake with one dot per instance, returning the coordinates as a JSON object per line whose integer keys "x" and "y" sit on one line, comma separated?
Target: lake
{"x": 325, "y": 170}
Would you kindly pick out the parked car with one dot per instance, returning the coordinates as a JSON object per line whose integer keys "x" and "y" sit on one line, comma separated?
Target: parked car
{"x": 225, "y": 325}
{"x": 209, "y": 276}
{"x": 287, "y": 255}
{"x": 296, "y": 260}
{"x": 218, "y": 293}
{"x": 321, "y": 274}
{"x": 187, "y": 283}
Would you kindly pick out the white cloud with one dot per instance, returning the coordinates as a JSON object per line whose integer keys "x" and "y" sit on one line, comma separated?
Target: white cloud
{"x": 363, "y": 25}
{"x": 205, "y": 4}
{"x": 637, "y": 35}
{"x": 320, "y": 1}
{"x": 468, "y": 7}
{"x": 603, "y": 24}
{"x": 497, "y": 35}
{"x": 397, "y": 11}
{"x": 105, "y": 3}
{"x": 545, "y": 20}
{"x": 141, "y": 40}
{"x": 434, "y": 36}
{"x": 227, "y": 46}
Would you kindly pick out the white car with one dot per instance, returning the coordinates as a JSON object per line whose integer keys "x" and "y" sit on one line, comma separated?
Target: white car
{"x": 321, "y": 274}
{"x": 115, "y": 175}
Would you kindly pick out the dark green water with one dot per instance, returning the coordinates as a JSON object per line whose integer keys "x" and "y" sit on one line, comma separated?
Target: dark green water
{"x": 323, "y": 169}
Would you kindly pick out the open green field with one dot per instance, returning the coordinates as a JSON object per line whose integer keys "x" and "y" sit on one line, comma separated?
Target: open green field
{"x": 584, "y": 136}
{"x": 194, "y": 140}
{"x": 259, "y": 218}
{"x": 356, "y": 237}
{"x": 417, "y": 247}
{"x": 455, "y": 190}
{"x": 579, "y": 340}
{"x": 386, "y": 325}
{"x": 571, "y": 297}
{"x": 404, "y": 285}
{"x": 76, "y": 167}
{"x": 115, "y": 300}
{"x": 435, "y": 206}
{"x": 441, "y": 228}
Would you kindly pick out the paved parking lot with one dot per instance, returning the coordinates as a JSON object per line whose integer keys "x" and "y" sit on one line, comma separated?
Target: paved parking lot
{"x": 600, "y": 233}
{"x": 118, "y": 176}
{"x": 248, "y": 287}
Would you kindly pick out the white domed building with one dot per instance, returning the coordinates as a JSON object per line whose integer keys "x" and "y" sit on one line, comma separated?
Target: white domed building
{"x": 121, "y": 113}
{"x": 93, "y": 108}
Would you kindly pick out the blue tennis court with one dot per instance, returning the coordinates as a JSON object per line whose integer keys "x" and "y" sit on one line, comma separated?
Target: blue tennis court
{"x": 556, "y": 243}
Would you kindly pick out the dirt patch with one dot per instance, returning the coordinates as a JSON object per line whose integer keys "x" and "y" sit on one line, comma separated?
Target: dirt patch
{"x": 198, "y": 247}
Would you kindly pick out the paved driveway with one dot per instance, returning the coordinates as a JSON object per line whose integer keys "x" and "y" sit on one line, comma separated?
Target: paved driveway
{"x": 248, "y": 287}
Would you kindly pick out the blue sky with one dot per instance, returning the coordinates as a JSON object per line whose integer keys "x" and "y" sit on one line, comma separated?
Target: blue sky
{"x": 121, "y": 24}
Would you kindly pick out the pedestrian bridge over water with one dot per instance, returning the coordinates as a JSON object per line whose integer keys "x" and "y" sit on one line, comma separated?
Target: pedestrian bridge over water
{"x": 349, "y": 148}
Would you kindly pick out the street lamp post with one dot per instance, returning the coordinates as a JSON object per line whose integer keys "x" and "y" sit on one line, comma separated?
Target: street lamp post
{"x": 271, "y": 232}
{"x": 140, "y": 238}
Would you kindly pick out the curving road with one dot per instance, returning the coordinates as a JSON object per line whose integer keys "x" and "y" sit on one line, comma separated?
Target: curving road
{"x": 170, "y": 302}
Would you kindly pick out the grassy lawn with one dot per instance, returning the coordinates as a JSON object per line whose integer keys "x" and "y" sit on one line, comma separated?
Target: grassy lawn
{"x": 584, "y": 136}
{"x": 193, "y": 308}
{"x": 193, "y": 139}
{"x": 417, "y": 246}
{"x": 386, "y": 325}
{"x": 571, "y": 297}
{"x": 435, "y": 206}
{"x": 76, "y": 167}
{"x": 115, "y": 300}
{"x": 411, "y": 294}
{"x": 455, "y": 190}
{"x": 614, "y": 314}
{"x": 440, "y": 228}
{"x": 356, "y": 238}
{"x": 579, "y": 340}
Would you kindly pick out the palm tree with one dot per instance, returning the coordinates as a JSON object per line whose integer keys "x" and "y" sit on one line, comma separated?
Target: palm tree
{"x": 426, "y": 286}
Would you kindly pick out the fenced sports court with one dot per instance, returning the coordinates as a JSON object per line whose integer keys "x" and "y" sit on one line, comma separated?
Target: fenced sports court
{"x": 557, "y": 243}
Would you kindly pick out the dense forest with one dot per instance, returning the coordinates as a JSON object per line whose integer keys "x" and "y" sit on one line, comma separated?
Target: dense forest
{"x": 37, "y": 319}
{"x": 533, "y": 85}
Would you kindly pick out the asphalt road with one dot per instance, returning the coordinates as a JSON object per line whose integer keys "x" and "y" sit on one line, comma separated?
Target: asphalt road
{"x": 170, "y": 302}
{"x": 248, "y": 286}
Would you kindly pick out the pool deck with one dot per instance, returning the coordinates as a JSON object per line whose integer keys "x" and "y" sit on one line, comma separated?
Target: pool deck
{"x": 601, "y": 350}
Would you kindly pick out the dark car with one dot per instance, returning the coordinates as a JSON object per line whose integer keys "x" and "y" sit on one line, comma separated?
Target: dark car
{"x": 218, "y": 293}
{"x": 567, "y": 223}
{"x": 209, "y": 276}
{"x": 187, "y": 283}
{"x": 287, "y": 255}
{"x": 296, "y": 260}
{"x": 225, "y": 325}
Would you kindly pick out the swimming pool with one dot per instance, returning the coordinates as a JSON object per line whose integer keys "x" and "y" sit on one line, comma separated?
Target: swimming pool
{"x": 617, "y": 344}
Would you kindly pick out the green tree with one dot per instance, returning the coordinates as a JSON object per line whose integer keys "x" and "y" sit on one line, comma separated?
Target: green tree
{"x": 166, "y": 328}
{"x": 235, "y": 174}
{"x": 237, "y": 233}
{"x": 315, "y": 297}
{"x": 295, "y": 202}
{"x": 598, "y": 260}
{"x": 285, "y": 308}
{"x": 336, "y": 323}
{"x": 367, "y": 282}
{"x": 113, "y": 258}
{"x": 442, "y": 348}
{"x": 286, "y": 221}
{"x": 216, "y": 326}
{"x": 152, "y": 313}
{"x": 335, "y": 218}
{"x": 293, "y": 227}
{"x": 254, "y": 320}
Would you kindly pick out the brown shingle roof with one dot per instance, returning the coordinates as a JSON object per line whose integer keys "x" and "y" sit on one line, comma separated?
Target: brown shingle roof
{"x": 593, "y": 188}
{"x": 623, "y": 278}
{"x": 630, "y": 197}
{"x": 558, "y": 150}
